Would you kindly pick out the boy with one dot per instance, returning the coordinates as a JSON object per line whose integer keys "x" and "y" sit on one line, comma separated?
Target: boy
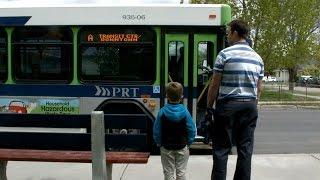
{"x": 174, "y": 131}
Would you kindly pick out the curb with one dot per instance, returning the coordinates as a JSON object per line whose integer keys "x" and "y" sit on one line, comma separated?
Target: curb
{"x": 289, "y": 106}
{"x": 288, "y": 102}
{"x": 307, "y": 107}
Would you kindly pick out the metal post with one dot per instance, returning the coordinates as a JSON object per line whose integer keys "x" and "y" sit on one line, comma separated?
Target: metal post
{"x": 306, "y": 92}
{"x": 98, "y": 146}
{"x": 109, "y": 171}
{"x": 279, "y": 93}
{"x": 281, "y": 90}
{"x": 3, "y": 170}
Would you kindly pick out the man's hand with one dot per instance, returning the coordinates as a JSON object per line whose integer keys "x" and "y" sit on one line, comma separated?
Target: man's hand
{"x": 210, "y": 111}
{"x": 207, "y": 125}
{"x": 209, "y": 119}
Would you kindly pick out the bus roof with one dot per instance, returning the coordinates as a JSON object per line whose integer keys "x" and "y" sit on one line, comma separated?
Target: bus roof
{"x": 88, "y": 14}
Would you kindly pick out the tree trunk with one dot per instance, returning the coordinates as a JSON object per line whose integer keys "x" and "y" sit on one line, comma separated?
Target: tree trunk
{"x": 292, "y": 77}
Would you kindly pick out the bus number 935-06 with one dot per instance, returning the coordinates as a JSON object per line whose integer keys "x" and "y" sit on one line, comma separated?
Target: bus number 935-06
{"x": 133, "y": 17}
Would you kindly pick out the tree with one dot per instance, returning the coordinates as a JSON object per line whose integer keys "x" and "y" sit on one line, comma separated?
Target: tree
{"x": 299, "y": 44}
{"x": 283, "y": 31}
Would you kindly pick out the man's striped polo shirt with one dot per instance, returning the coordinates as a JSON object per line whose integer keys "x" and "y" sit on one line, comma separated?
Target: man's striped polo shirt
{"x": 241, "y": 67}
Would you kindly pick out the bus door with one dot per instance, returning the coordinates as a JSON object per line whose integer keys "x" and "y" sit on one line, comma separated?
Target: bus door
{"x": 205, "y": 51}
{"x": 176, "y": 60}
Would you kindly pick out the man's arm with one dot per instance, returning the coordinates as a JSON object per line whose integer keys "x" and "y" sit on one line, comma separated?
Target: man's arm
{"x": 213, "y": 88}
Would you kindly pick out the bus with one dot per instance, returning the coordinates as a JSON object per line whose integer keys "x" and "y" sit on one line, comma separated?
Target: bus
{"x": 73, "y": 59}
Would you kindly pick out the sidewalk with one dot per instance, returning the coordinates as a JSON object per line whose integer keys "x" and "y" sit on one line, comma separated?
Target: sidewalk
{"x": 308, "y": 96}
{"x": 264, "y": 167}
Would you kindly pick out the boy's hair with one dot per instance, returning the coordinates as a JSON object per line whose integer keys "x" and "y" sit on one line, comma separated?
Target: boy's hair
{"x": 241, "y": 27}
{"x": 174, "y": 91}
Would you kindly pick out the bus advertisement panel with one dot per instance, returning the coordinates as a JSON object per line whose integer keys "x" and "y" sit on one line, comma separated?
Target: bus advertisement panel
{"x": 40, "y": 106}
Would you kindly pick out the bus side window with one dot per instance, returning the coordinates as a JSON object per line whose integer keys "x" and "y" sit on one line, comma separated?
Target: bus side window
{"x": 205, "y": 61}
{"x": 3, "y": 56}
{"x": 42, "y": 54}
{"x": 117, "y": 60}
{"x": 176, "y": 61}
{"x": 205, "y": 64}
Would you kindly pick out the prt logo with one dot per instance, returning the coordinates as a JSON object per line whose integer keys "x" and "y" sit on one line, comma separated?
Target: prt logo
{"x": 116, "y": 92}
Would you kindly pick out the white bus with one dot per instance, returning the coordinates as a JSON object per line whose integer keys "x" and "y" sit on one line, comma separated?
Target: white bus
{"x": 74, "y": 59}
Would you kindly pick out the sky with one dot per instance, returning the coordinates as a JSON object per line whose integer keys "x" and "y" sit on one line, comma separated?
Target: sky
{"x": 91, "y": 1}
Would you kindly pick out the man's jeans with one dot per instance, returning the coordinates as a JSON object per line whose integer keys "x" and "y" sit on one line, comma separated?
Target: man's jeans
{"x": 234, "y": 124}
{"x": 174, "y": 161}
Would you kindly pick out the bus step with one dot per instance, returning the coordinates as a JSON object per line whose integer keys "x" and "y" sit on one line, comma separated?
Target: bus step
{"x": 199, "y": 139}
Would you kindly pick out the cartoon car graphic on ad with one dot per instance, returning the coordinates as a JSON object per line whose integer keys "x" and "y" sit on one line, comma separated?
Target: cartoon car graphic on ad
{"x": 17, "y": 107}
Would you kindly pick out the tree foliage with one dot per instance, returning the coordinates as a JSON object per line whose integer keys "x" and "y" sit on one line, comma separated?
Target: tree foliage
{"x": 285, "y": 32}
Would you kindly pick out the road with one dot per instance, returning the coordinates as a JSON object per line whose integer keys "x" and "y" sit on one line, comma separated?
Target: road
{"x": 285, "y": 130}
{"x": 281, "y": 131}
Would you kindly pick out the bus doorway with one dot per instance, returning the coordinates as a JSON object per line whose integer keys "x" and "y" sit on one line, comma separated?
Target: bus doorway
{"x": 205, "y": 51}
{"x": 192, "y": 69}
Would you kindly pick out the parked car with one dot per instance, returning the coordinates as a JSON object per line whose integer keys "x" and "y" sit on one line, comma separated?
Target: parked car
{"x": 265, "y": 79}
{"x": 305, "y": 79}
{"x": 272, "y": 79}
{"x": 269, "y": 79}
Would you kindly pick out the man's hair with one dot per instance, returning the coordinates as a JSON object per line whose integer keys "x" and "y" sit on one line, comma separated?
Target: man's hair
{"x": 174, "y": 91}
{"x": 240, "y": 26}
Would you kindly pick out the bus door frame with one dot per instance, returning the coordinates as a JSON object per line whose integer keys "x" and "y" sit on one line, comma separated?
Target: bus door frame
{"x": 181, "y": 37}
{"x": 198, "y": 38}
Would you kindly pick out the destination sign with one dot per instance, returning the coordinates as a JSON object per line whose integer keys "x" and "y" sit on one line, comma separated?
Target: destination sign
{"x": 113, "y": 37}
{"x": 117, "y": 35}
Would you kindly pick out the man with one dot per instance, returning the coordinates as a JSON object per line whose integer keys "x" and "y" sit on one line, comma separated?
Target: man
{"x": 235, "y": 89}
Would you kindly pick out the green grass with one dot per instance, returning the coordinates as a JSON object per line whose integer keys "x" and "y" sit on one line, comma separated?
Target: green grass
{"x": 269, "y": 95}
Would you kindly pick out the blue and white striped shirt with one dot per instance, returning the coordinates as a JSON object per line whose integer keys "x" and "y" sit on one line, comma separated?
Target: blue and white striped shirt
{"x": 241, "y": 68}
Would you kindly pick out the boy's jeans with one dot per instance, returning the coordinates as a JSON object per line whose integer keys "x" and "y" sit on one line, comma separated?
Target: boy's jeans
{"x": 174, "y": 161}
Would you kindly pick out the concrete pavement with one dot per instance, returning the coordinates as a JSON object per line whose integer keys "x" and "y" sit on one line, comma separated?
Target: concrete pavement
{"x": 308, "y": 96}
{"x": 308, "y": 89}
{"x": 264, "y": 167}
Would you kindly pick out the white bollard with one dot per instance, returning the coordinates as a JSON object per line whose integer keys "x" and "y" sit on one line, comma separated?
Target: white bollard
{"x": 98, "y": 146}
